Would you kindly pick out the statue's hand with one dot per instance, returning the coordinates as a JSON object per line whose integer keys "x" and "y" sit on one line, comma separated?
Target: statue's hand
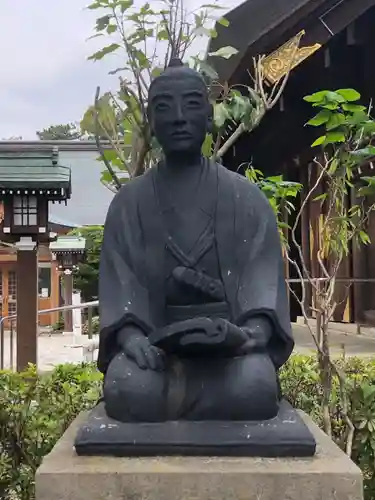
{"x": 137, "y": 347}
{"x": 222, "y": 334}
{"x": 259, "y": 333}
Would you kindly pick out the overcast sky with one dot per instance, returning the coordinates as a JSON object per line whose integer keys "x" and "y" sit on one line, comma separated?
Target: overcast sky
{"x": 45, "y": 77}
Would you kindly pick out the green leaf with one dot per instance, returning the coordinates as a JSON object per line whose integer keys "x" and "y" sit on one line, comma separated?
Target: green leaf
{"x": 331, "y": 106}
{"x": 125, "y": 5}
{"x": 336, "y": 120}
{"x": 364, "y": 237}
{"x": 102, "y": 22}
{"x": 317, "y": 97}
{"x": 106, "y": 177}
{"x": 117, "y": 70}
{"x": 213, "y": 33}
{"x": 94, "y": 6}
{"x": 224, "y": 22}
{"x": 324, "y": 97}
{"x": 142, "y": 59}
{"x": 97, "y": 35}
{"x": 109, "y": 154}
{"x": 225, "y": 52}
{"x": 111, "y": 28}
{"x": 368, "y": 127}
{"x": 221, "y": 114}
{"x": 211, "y": 6}
{"x": 321, "y": 118}
{"x": 319, "y": 141}
{"x": 207, "y": 146}
{"x": 103, "y": 52}
{"x": 156, "y": 72}
{"x": 202, "y": 31}
{"x": 350, "y": 95}
{"x": 353, "y": 108}
{"x": 369, "y": 151}
{"x": 333, "y": 166}
{"x": 163, "y": 35}
{"x": 321, "y": 197}
{"x": 239, "y": 107}
{"x": 334, "y": 137}
{"x": 208, "y": 70}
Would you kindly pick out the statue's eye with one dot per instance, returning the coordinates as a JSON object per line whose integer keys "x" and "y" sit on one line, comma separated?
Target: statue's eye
{"x": 162, "y": 106}
{"x": 194, "y": 103}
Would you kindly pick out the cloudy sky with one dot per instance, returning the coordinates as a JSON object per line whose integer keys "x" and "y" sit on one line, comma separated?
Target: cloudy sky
{"x": 45, "y": 76}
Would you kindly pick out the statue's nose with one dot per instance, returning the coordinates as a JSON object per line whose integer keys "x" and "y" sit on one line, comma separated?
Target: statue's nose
{"x": 179, "y": 115}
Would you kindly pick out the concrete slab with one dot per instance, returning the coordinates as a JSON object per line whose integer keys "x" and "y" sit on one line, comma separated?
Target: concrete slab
{"x": 330, "y": 475}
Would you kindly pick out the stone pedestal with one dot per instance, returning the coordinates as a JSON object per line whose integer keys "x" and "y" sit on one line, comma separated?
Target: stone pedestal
{"x": 329, "y": 475}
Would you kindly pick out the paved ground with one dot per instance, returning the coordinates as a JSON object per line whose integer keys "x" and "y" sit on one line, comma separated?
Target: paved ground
{"x": 56, "y": 349}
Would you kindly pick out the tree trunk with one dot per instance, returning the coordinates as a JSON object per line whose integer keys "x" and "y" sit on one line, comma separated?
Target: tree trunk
{"x": 325, "y": 370}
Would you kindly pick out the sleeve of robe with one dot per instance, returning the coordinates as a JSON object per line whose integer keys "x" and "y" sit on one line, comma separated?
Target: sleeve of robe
{"x": 123, "y": 299}
{"x": 262, "y": 288}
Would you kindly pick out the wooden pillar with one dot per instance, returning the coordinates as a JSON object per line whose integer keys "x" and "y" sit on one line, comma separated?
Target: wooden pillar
{"x": 55, "y": 292}
{"x": 27, "y": 306}
{"x": 68, "y": 300}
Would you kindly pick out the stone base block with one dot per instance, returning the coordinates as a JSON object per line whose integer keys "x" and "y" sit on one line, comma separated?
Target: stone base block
{"x": 329, "y": 475}
{"x": 286, "y": 435}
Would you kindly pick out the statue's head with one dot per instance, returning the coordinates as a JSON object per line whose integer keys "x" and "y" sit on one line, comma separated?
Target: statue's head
{"x": 179, "y": 110}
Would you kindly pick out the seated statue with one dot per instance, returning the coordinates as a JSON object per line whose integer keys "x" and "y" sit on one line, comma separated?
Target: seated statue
{"x": 193, "y": 303}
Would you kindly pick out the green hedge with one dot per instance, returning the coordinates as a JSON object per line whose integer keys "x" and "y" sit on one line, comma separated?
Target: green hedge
{"x": 36, "y": 410}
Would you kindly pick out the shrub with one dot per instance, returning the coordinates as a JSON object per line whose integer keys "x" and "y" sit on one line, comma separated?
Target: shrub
{"x": 301, "y": 385}
{"x": 95, "y": 325}
{"x": 36, "y": 409}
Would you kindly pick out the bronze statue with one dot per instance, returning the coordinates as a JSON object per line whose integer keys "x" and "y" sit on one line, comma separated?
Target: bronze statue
{"x": 193, "y": 305}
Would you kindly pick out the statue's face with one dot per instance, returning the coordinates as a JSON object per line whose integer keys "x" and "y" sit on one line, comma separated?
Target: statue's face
{"x": 179, "y": 113}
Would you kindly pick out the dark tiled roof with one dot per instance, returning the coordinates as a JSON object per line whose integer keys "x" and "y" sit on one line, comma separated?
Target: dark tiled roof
{"x": 33, "y": 169}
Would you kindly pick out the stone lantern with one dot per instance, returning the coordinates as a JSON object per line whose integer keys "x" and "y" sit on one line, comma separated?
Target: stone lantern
{"x": 29, "y": 180}
{"x": 68, "y": 251}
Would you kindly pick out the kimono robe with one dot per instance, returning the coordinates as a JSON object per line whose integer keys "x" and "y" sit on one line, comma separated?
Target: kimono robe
{"x": 237, "y": 245}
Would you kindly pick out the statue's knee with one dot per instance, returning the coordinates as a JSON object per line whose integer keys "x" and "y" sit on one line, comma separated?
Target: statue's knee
{"x": 131, "y": 393}
{"x": 256, "y": 389}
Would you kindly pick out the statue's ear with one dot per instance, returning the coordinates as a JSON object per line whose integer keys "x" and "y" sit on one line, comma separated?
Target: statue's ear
{"x": 210, "y": 118}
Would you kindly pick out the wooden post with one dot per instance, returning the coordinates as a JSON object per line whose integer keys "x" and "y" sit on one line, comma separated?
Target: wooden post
{"x": 27, "y": 303}
{"x": 68, "y": 300}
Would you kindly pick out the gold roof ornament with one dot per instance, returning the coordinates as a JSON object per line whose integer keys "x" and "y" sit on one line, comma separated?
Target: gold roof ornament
{"x": 277, "y": 64}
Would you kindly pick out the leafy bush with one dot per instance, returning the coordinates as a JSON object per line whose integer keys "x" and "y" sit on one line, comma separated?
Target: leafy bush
{"x": 301, "y": 385}
{"x": 36, "y": 409}
{"x": 95, "y": 326}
